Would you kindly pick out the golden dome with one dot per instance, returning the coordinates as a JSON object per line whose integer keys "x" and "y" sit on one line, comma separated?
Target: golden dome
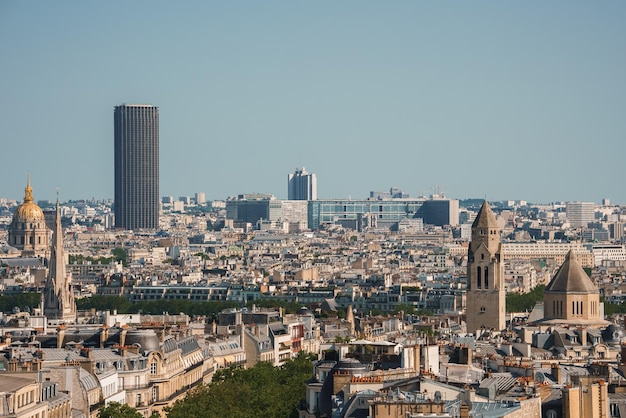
{"x": 29, "y": 210}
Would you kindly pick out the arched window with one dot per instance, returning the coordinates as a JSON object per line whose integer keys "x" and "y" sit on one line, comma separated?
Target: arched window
{"x": 479, "y": 271}
{"x": 486, "y": 277}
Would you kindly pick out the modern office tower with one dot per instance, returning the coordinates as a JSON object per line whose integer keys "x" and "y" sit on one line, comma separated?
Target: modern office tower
{"x": 354, "y": 214}
{"x": 616, "y": 231}
{"x": 137, "y": 166}
{"x": 440, "y": 212}
{"x": 200, "y": 198}
{"x": 486, "y": 295}
{"x": 252, "y": 208}
{"x": 579, "y": 214}
{"x": 302, "y": 185}
{"x": 394, "y": 193}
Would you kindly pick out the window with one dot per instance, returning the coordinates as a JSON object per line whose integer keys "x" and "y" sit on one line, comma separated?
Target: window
{"x": 479, "y": 271}
{"x": 486, "y": 277}
{"x": 153, "y": 368}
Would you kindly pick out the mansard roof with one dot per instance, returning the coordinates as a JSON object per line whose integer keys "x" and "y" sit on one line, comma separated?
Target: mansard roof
{"x": 571, "y": 278}
{"x": 485, "y": 217}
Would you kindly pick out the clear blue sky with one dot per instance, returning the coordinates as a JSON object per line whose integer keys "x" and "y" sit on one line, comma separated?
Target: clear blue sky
{"x": 508, "y": 100}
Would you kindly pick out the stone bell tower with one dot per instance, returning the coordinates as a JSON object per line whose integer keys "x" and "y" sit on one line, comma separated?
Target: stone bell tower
{"x": 486, "y": 295}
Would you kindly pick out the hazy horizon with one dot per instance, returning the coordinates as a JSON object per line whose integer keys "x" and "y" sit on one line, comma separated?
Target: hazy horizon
{"x": 503, "y": 100}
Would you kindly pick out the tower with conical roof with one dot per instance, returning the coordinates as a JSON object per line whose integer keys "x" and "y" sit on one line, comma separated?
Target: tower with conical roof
{"x": 486, "y": 295}
{"x": 571, "y": 297}
{"x": 58, "y": 296}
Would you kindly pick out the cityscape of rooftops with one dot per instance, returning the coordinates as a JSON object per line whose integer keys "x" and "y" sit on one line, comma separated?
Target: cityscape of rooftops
{"x": 327, "y": 209}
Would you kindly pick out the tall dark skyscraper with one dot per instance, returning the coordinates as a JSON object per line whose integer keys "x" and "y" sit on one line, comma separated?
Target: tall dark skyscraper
{"x": 137, "y": 166}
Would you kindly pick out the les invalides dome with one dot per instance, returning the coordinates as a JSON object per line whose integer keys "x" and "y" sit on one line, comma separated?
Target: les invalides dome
{"x": 28, "y": 231}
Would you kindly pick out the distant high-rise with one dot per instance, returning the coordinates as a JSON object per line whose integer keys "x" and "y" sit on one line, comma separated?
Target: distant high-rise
{"x": 580, "y": 214}
{"x": 137, "y": 166}
{"x": 302, "y": 185}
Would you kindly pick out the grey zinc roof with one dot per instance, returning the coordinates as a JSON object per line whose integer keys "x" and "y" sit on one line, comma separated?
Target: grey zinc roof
{"x": 170, "y": 345}
{"x": 60, "y": 354}
{"x": 88, "y": 380}
{"x": 493, "y": 409}
{"x": 22, "y": 262}
{"x": 189, "y": 345}
{"x": 571, "y": 278}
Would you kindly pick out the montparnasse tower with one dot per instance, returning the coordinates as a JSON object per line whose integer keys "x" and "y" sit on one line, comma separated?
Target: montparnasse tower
{"x": 486, "y": 294}
{"x": 28, "y": 231}
{"x": 58, "y": 297}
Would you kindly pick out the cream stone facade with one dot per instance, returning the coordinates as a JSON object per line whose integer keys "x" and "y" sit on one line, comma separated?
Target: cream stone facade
{"x": 589, "y": 400}
{"x": 556, "y": 251}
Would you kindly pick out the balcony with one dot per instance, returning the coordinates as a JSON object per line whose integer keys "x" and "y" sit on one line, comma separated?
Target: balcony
{"x": 141, "y": 386}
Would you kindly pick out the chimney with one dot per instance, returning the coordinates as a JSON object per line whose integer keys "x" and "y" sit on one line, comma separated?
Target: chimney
{"x": 416, "y": 358}
{"x": 60, "y": 335}
{"x": 104, "y": 335}
{"x": 557, "y": 373}
{"x": 464, "y": 410}
{"x": 583, "y": 335}
{"x": 123, "y": 335}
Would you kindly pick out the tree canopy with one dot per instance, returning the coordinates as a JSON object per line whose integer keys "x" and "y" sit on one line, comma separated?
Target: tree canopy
{"x": 21, "y": 301}
{"x": 261, "y": 391}
{"x": 118, "y": 410}
{"x": 520, "y": 302}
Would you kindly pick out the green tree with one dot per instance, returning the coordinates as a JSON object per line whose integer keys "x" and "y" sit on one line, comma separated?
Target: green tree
{"x": 105, "y": 303}
{"x": 21, "y": 301}
{"x": 120, "y": 255}
{"x": 261, "y": 391}
{"x": 118, "y": 410}
{"x": 520, "y": 302}
{"x": 406, "y": 308}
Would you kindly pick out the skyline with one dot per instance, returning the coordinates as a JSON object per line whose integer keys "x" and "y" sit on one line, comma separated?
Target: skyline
{"x": 487, "y": 99}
